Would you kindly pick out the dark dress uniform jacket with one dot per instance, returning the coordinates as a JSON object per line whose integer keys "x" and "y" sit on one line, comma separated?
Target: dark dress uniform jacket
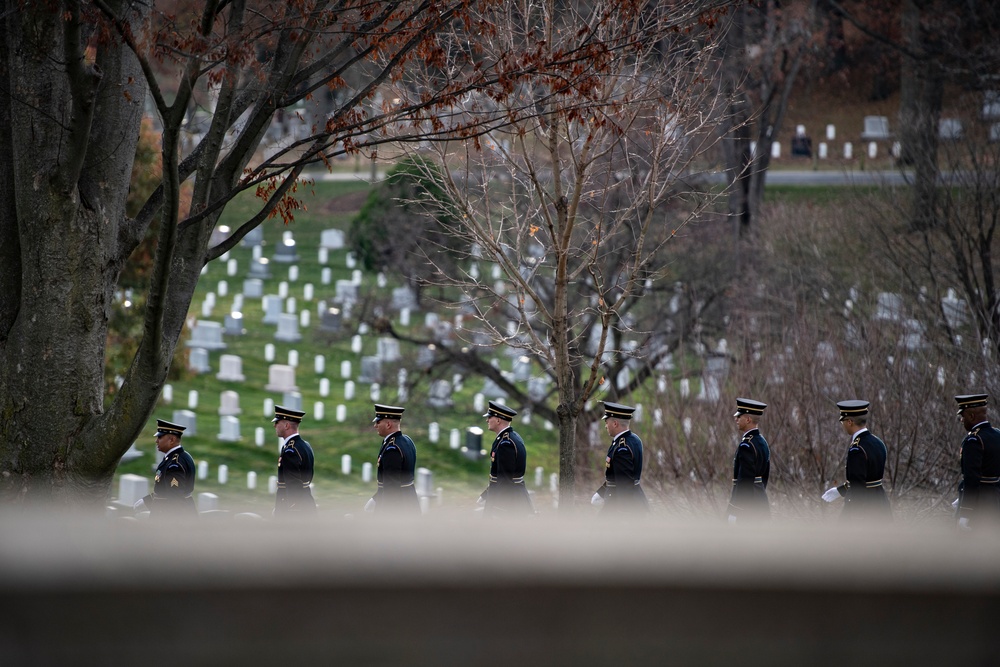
{"x": 864, "y": 494}
{"x": 173, "y": 486}
{"x": 295, "y": 473}
{"x": 507, "y": 494}
{"x": 979, "y": 491}
{"x": 397, "y": 461}
{"x": 622, "y": 472}
{"x": 751, "y": 469}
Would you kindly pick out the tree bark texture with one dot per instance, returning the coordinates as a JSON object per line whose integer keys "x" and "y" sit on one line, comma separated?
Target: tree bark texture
{"x": 70, "y": 131}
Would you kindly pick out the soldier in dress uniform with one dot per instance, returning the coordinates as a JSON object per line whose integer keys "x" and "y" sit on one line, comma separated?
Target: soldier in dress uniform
{"x": 397, "y": 461}
{"x": 623, "y": 465}
{"x": 751, "y": 465}
{"x": 979, "y": 490}
{"x": 174, "y": 481}
{"x": 295, "y": 465}
{"x": 863, "y": 492}
{"x": 506, "y": 495}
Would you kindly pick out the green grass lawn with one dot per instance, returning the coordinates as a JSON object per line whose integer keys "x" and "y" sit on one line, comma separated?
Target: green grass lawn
{"x": 461, "y": 478}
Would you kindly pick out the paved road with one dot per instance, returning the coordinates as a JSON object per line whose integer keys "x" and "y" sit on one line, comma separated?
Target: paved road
{"x": 804, "y": 177}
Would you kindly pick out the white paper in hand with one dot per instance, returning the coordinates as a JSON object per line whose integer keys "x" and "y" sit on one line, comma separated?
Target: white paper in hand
{"x": 831, "y": 494}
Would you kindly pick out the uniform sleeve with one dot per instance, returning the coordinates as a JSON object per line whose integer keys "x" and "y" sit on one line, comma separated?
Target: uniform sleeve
{"x": 506, "y": 459}
{"x": 743, "y": 472}
{"x": 624, "y": 466}
{"x": 392, "y": 470}
{"x": 294, "y": 466}
{"x": 172, "y": 484}
{"x": 972, "y": 474}
{"x": 857, "y": 467}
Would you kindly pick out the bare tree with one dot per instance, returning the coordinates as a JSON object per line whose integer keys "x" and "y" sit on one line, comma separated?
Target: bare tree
{"x": 577, "y": 200}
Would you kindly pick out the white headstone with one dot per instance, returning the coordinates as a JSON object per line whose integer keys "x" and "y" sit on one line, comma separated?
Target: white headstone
{"x": 168, "y": 393}
{"x": 341, "y": 413}
{"x": 424, "y": 482}
{"x": 222, "y": 288}
{"x": 202, "y": 469}
{"x": 253, "y": 288}
{"x": 404, "y": 317}
{"x": 324, "y": 387}
{"x": 366, "y": 472}
{"x": 291, "y": 305}
{"x": 230, "y": 368}
{"x": 251, "y": 480}
{"x": 223, "y": 474}
{"x": 775, "y": 150}
{"x": 872, "y": 150}
{"x": 269, "y": 352}
{"x": 319, "y": 364}
{"x": 848, "y": 150}
{"x": 350, "y": 260}
{"x": 231, "y": 267}
{"x": 193, "y": 399}
{"x": 345, "y": 369}
{"x": 325, "y": 276}
{"x": 207, "y": 501}
{"x": 831, "y": 132}
{"x": 356, "y": 276}
{"x": 374, "y": 391}
{"x": 349, "y": 390}
{"x": 272, "y": 304}
{"x": 685, "y": 387}
{"x": 345, "y": 464}
{"x": 308, "y": 292}
{"x": 280, "y": 378}
{"x": 198, "y": 360}
{"x": 433, "y": 431}
{"x": 293, "y": 358}
{"x": 258, "y": 436}
{"x": 132, "y": 488}
{"x": 268, "y": 407}
{"x": 229, "y": 429}
{"x": 332, "y": 239}
{"x": 293, "y": 273}
{"x": 272, "y": 484}
{"x": 823, "y": 150}
{"x": 323, "y": 256}
{"x": 539, "y": 476}
{"x": 455, "y": 439}
{"x": 876, "y": 128}
{"x": 283, "y": 289}
{"x": 229, "y": 403}
{"x": 478, "y": 403}
{"x": 304, "y": 317}
{"x": 288, "y": 329}
{"x": 207, "y": 335}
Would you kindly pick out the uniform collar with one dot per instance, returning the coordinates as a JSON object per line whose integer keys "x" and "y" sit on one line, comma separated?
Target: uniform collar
{"x": 621, "y": 435}
{"x": 172, "y": 450}
{"x": 985, "y": 422}
{"x": 854, "y": 436}
{"x": 503, "y": 430}
{"x": 391, "y": 435}
{"x": 753, "y": 430}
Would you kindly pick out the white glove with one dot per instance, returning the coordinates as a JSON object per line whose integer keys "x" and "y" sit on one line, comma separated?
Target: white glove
{"x": 732, "y": 519}
{"x": 480, "y": 501}
{"x": 370, "y": 505}
{"x": 954, "y": 504}
{"x": 831, "y": 494}
{"x": 963, "y": 523}
{"x": 596, "y": 500}
{"x": 139, "y": 505}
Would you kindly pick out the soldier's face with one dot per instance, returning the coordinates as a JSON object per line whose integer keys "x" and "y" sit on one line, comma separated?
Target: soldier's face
{"x": 385, "y": 426}
{"x": 165, "y": 442}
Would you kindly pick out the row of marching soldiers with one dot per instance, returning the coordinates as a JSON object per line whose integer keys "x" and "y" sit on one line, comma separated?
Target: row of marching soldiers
{"x": 863, "y": 490}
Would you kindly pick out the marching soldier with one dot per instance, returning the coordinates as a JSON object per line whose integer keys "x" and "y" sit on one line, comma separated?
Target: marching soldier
{"x": 174, "y": 481}
{"x": 506, "y": 495}
{"x": 295, "y": 465}
{"x": 623, "y": 465}
{"x": 397, "y": 461}
{"x": 751, "y": 465}
{"x": 979, "y": 490}
{"x": 863, "y": 492}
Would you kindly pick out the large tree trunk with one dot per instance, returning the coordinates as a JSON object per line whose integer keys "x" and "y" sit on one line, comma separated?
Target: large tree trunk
{"x": 64, "y": 178}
